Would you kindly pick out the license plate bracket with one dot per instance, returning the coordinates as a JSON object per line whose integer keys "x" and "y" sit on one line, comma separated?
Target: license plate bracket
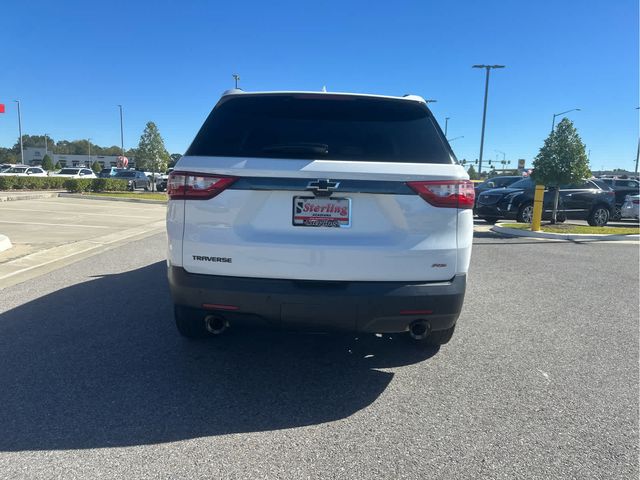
{"x": 328, "y": 212}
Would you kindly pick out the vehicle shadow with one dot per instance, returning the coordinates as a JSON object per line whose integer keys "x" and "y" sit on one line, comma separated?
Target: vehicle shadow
{"x": 100, "y": 364}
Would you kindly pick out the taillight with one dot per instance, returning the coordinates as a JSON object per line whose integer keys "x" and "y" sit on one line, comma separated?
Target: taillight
{"x": 446, "y": 193}
{"x": 196, "y": 186}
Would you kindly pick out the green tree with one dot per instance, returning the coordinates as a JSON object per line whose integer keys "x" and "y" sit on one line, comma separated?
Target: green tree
{"x": 58, "y": 166}
{"x": 96, "y": 167}
{"x": 562, "y": 160}
{"x": 473, "y": 175}
{"x": 174, "y": 159}
{"x": 47, "y": 163}
{"x": 151, "y": 153}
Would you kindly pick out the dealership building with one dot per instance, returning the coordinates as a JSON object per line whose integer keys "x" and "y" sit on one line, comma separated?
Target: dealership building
{"x": 34, "y": 156}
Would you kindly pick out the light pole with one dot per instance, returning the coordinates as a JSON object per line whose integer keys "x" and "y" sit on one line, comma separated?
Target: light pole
{"x": 89, "y": 151}
{"x": 553, "y": 124}
{"x": 637, "y": 152}
{"x": 236, "y": 77}
{"x": 446, "y": 125}
{"x": 484, "y": 112}
{"x": 20, "y": 132}
{"x": 121, "y": 132}
{"x": 46, "y": 151}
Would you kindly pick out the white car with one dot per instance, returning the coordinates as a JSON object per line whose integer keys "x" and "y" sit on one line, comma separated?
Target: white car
{"x": 24, "y": 171}
{"x": 75, "y": 172}
{"x": 631, "y": 207}
{"x": 319, "y": 211}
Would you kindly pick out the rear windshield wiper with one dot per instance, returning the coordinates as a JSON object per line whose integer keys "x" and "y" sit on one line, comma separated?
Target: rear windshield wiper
{"x": 298, "y": 148}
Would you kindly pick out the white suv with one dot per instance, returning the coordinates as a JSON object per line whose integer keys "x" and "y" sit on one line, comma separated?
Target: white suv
{"x": 319, "y": 211}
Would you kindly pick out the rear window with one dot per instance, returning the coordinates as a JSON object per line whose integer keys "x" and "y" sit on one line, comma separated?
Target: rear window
{"x": 125, "y": 174}
{"x": 524, "y": 184}
{"x": 321, "y": 127}
{"x": 68, "y": 171}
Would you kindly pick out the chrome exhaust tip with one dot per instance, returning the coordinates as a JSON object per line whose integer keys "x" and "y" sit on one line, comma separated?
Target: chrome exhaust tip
{"x": 216, "y": 325}
{"x": 420, "y": 329}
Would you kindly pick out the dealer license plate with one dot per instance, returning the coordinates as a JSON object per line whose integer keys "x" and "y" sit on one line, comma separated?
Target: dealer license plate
{"x": 321, "y": 212}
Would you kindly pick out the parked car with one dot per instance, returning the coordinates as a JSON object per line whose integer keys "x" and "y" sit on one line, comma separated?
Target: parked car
{"x": 24, "y": 171}
{"x": 631, "y": 207}
{"x": 495, "y": 182}
{"x": 110, "y": 172}
{"x": 622, "y": 187}
{"x": 136, "y": 179}
{"x": 319, "y": 211}
{"x": 590, "y": 200}
{"x": 161, "y": 182}
{"x": 75, "y": 172}
{"x": 5, "y": 166}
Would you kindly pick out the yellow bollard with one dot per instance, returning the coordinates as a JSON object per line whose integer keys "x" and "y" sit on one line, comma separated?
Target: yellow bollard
{"x": 538, "y": 201}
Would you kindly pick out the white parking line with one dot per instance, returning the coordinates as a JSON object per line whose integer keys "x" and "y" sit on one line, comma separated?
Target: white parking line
{"x": 52, "y": 224}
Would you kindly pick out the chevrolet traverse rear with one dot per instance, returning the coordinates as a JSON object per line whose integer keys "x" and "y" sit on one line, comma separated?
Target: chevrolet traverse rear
{"x": 319, "y": 211}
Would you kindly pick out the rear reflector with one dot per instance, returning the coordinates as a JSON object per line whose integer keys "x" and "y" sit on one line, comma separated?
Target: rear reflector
{"x": 416, "y": 312}
{"x": 216, "y": 306}
{"x": 196, "y": 186}
{"x": 446, "y": 193}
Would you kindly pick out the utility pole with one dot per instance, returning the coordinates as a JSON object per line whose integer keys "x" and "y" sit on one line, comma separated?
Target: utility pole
{"x": 121, "y": 132}
{"x": 89, "y": 152}
{"x": 236, "y": 77}
{"x": 46, "y": 151}
{"x": 488, "y": 68}
{"x": 20, "y": 132}
{"x": 446, "y": 125}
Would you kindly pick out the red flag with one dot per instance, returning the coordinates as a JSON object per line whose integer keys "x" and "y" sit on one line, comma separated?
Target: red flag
{"x": 1, "y": 107}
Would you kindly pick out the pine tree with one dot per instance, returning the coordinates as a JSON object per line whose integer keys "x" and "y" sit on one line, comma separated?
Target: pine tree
{"x": 47, "y": 163}
{"x": 562, "y": 160}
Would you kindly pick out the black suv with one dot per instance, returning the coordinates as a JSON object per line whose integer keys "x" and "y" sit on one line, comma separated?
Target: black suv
{"x": 622, "y": 187}
{"x": 592, "y": 200}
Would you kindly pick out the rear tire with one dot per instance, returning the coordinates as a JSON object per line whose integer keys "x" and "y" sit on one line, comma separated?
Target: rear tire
{"x": 133, "y": 186}
{"x": 599, "y": 216}
{"x": 490, "y": 220}
{"x": 437, "y": 338}
{"x": 525, "y": 213}
{"x": 190, "y": 322}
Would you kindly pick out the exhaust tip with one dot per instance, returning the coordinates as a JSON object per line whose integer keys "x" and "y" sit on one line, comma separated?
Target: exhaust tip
{"x": 420, "y": 329}
{"x": 216, "y": 325}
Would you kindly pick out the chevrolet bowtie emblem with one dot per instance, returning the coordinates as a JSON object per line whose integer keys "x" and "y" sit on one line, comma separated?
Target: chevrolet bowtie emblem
{"x": 322, "y": 186}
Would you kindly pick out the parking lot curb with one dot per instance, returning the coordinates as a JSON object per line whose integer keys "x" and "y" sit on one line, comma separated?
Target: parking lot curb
{"x": 112, "y": 199}
{"x": 563, "y": 236}
{"x": 5, "y": 243}
{"x": 13, "y": 196}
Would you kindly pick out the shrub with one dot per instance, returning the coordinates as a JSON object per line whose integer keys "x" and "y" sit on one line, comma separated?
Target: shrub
{"x": 73, "y": 185}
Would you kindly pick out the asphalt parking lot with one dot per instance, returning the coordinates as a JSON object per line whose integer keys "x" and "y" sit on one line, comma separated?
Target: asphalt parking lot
{"x": 48, "y": 232}
{"x": 540, "y": 380}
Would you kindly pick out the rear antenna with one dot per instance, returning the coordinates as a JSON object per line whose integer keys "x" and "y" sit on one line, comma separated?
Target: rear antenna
{"x": 236, "y": 77}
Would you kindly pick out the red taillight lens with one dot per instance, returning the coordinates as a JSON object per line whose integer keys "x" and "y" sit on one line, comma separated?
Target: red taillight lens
{"x": 196, "y": 186}
{"x": 446, "y": 193}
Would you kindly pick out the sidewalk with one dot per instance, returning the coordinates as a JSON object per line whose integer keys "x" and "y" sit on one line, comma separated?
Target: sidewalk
{"x": 9, "y": 196}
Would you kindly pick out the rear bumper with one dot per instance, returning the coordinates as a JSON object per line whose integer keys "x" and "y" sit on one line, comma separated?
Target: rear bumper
{"x": 375, "y": 307}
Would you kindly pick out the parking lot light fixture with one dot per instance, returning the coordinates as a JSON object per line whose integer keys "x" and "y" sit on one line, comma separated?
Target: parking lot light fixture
{"x": 553, "y": 124}
{"x": 488, "y": 68}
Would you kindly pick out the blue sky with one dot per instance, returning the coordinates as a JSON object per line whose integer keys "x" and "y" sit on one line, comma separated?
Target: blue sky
{"x": 71, "y": 63}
